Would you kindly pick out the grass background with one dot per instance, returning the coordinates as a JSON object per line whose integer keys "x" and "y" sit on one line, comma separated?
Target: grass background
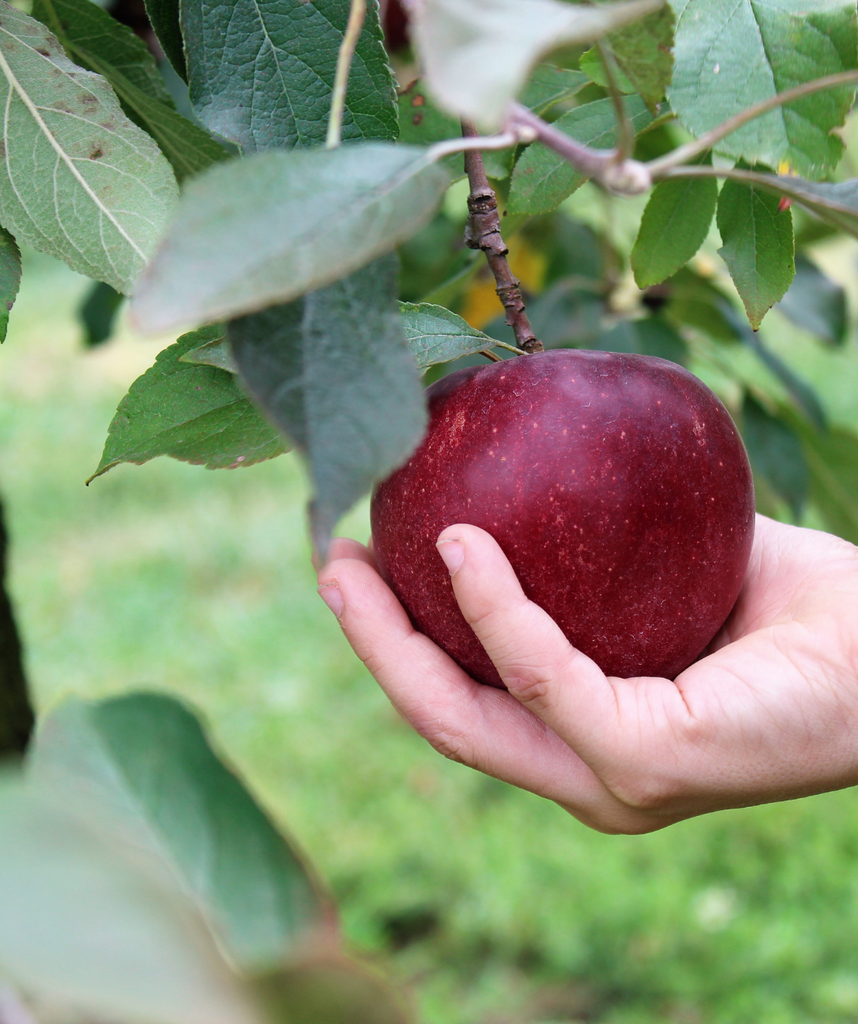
{"x": 490, "y": 905}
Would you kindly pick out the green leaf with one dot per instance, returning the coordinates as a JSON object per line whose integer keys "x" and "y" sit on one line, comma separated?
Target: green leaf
{"x": 10, "y": 278}
{"x": 832, "y": 457}
{"x": 435, "y": 335}
{"x": 477, "y": 54}
{"x": 816, "y": 303}
{"x": 95, "y": 925}
{"x": 593, "y": 66}
{"x": 262, "y": 73}
{"x": 197, "y": 414}
{"x": 330, "y": 991}
{"x": 273, "y": 226}
{"x": 333, "y": 371}
{"x": 212, "y": 353}
{"x": 97, "y": 41}
{"x": 542, "y": 179}
{"x": 758, "y": 246}
{"x": 695, "y": 301}
{"x": 164, "y": 16}
{"x": 776, "y": 454}
{"x": 145, "y": 763}
{"x": 422, "y": 122}
{"x": 726, "y": 62}
{"x": 675, "y": 224}
{"x": 97, "y": 313}
{"x": 644, "y": 52}
{"x": 79, "y": 180}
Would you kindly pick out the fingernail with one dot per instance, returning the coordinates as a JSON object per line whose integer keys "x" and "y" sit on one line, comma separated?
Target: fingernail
{"x": 453, "y": 554}
{"x": 332, "y": 596}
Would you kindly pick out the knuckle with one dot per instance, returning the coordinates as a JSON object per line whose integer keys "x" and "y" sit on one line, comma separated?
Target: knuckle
{"x": 451, "y": 744}
{"x": 646, "y": 791}
{"x": 531, "y": 688}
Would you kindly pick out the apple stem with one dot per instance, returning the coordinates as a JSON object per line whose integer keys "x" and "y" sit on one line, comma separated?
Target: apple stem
{"x": 483, "y": 232}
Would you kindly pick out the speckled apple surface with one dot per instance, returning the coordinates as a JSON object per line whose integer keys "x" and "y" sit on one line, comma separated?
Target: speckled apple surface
{"x": 617, "y": 485}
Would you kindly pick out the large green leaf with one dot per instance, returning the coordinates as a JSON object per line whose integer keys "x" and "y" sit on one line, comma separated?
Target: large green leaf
{"x": 261, "y": 72}
{"x": 758, "y": 246}
{"x": 10, "y": 278}
{"x": 145, "y": 763}
{"x": 776, "y": 453}
{"x": 435, "y": 335}
{"x": 94, "y": 925}
{"x": 674, "y": 225}
{"x": 79, "y": 180}
{"x": 816, "y": 303}
{"x": 99, "y": 42}
{"x": 728, "y": 58}
{"x": 269, "y": 228}
{"x": 333, "y": 371}
{"x": 542, "y": 179}
{"x": 644, "y": 52}
{"x": 194, "y": 413}
{"x": 477, "y": 54}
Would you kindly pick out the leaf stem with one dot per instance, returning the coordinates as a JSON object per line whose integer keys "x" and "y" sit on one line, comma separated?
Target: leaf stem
{"x": 626, "y": 177}
{"x": 357, "y": 14}
{"x": 448, "y": 147}
{"x": 625, "y": 137}
{"x": 660, "y": 167}
{"x": 483, "y": 232}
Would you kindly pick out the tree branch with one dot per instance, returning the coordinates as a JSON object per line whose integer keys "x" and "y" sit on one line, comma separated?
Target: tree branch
{"x": 661, "y": 167}
{"x": 483, "y": 232}
{"x": 625, "y": 135}
{"x": 16, "y": 713}
{"x": 626, "y": 177}
{"x": 357, "y": 14}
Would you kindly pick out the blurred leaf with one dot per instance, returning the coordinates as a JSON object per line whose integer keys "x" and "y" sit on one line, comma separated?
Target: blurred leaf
{"x": 644, "y": 52}
{"x": 97, "y": 926}
{"x": 143, "y": 760}
{"x": 196, "y": 414}
{"x": 650, "y": 336}
{"x": 213, "y": 353}
{"x": 99, "y": 42}
{"x": 725, "y": 64}
{"x": 593, "y": 66}
{"x": 17, "y": 717}
{"x": 477, "y": 53}
{"x": 332, "y": 370}
{"x": 549, "y": 85}
{"x": 675, "y": 224}
{"x": 97, "y": 313}
{"x": 816, "y": 303}
{"x": 271, "y": 227}
{"x": 694, "y": 300}
{"x": 435, "y": 335}
{"x": 330, "y": 991}
{"x": 79, "y": 181}
{"x": 542, "y": 179}
{"x": 776, "y": 454}
{"x": 164, "y": 16}
{"x": 758, "y": 246}
{"x": 262, "y": 75}
{"x": 10, "y": 278}
{"x": 565, "y": 316}
{"x": 832, "y": 457}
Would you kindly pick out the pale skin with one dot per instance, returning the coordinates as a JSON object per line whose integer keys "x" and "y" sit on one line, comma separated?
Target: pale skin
{"x": 770, "y": 713}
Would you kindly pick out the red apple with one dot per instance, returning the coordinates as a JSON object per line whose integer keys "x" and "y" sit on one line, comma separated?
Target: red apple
{"x": 617, "y": 485}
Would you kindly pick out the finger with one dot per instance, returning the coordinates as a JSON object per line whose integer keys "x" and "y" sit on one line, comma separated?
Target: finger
{"x": 536, "y": 662}
{"x": 345, "y": 547}
{"x": 478, "y": 725}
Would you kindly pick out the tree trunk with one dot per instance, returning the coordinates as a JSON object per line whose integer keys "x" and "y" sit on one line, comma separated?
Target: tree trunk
{"x": 16, "y": 713}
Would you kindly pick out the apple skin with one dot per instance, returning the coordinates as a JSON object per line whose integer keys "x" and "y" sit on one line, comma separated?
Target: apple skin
{"x": 617, "y": 485}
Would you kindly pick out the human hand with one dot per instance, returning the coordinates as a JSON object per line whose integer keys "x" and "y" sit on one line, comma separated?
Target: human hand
{"x": 769, "y": 713}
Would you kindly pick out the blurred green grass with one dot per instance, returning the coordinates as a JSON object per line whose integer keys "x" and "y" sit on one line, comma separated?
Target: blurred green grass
{"x": 491, "y": 905}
